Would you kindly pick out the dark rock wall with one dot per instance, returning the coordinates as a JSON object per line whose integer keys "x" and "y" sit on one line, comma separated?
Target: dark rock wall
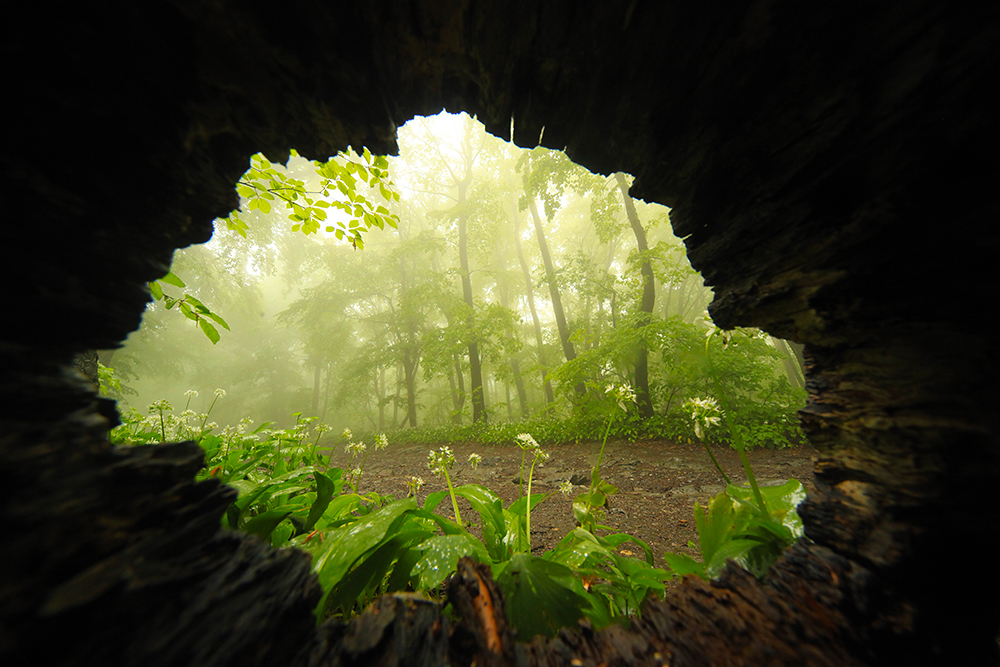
{"x": 831, "y": 167}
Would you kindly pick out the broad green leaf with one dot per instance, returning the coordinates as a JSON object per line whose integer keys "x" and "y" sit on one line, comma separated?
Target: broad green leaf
{"x": 373, "y": 567}
{"x": 681, "y": 564}
{"x": 539, "y": 601}
{"x": 155, "y": 290}
{"x": 324, "y": 492}
{"x": 440, "y": 558}
{"x": 218, "y": 320}
{"x": 346, "y": 544}
{"x": 209, "y": 330}
{"x": 172, "y": 279}
{"x": 264, "y": 523}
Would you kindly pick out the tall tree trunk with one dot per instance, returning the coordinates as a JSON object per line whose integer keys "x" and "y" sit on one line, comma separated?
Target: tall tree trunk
{"x": 515, "y": 365}
{"x": 317, "y": 371}
{"x": 457, "y": 392}
{"x": 380, "y": 395}
{"x": 648, "y": 300}
{"x": 410, "y": 376}
{"x": 530, "y": 292}
{"x": 550, "y": 276}
{"x": 475, "y": 365}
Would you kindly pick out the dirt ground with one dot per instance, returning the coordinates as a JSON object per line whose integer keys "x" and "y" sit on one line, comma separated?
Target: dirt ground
{"x": 659, "y": 482}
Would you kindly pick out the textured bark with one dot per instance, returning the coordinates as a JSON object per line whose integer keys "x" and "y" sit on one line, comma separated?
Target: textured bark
{"x": 814, "y": 155}
{"x": 643, "y": 398}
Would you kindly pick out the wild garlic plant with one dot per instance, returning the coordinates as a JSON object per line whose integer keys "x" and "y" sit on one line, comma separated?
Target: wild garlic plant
{"x": 529, "y": 446}
{"x": 705, "y": 413}
{"x": 474, "y": 461}
{"x": 585, "y": 504}
{"x": 440, "y": 462}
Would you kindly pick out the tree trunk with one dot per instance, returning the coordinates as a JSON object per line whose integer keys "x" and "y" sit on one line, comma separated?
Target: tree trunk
{"x": 550, "y": 276}
{"x": 648, "y": 301}
{"x": 475, "y": 365}
{"x": 530, "y": 293}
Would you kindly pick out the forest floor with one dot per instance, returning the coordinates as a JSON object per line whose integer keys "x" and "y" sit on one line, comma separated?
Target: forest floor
{"x": 658, "y": 484}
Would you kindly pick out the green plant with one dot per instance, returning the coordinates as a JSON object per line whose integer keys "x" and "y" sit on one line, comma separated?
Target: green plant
{"x": 749, "y": 525}
{"x": 597, "y": 496}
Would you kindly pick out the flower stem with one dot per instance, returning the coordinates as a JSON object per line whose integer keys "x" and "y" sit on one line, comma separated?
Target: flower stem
{"x": 531, "y": 474}
{"x": 735, "y": 434}
{"x": 454, "y": 502}
{"x": 597, "y": 469}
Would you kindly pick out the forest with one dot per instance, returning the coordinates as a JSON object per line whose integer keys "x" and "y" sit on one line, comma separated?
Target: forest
{"x": 466, "y": 291}
{"x": 515, "y": 286}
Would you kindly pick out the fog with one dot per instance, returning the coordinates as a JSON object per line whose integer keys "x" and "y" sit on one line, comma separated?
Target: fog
{"x": 459, "y": 296}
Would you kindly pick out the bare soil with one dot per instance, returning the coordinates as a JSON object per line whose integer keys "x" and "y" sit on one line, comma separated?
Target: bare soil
{"x": 658, "y": 484}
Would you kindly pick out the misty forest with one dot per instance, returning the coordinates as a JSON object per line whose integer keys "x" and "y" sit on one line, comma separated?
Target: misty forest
{"x": 466, "y": 291}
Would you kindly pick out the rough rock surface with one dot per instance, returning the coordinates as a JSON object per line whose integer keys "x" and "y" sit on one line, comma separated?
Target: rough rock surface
{"x": 831, "y": 167}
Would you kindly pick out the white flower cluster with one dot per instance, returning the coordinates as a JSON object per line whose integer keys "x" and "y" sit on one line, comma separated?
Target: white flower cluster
{"x": 621, "y": 393}
{"x": 528, "y": 444}
{"x": 356, "y": 448}
{"x": 441, "y": 460}
{"x": 705, "y": 412}
{"x": 347, "y": 434}
{"x": 414, "y": 484}
{"x": 475, "y": 460}
{"x": 381, "y": 442}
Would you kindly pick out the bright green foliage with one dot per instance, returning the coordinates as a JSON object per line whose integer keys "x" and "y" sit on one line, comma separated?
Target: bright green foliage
{"x": 749, "y": 525}
{"x": 338, "y": 188}
{"x": 189, "y": 306}
{"x": 341, "y": 181}
{"x": 732, "y": 527}
{"x": 366, "y": 545}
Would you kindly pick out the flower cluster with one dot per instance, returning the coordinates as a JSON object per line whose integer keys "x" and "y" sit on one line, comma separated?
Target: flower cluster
{"x": 705, "y": 412}
{"x": 347, "y": 434}
{"x": 441, "y": 460}
{"x": 381, "y": 442}
{"x": 413, "y": 485}
{"x": 622, "y": 393}
{"x": 528, "y": 444}
{"x": 356, "y": 448}
{"x": 475, "y": 460}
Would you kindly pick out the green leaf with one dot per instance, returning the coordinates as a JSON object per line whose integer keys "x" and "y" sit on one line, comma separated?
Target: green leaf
{"x": 218, "y": 320}
{"x": 324, "y": 492}
{"x": 155, "y": 290}
{"x": 264, "y": 523}
{"x": 209, "y": 330}
{"x": 682, "y": 564}
{"x": 373, "y": 568}
{"x": 540, "y": 597}
{"x": 440, "y": 558}
{"x": 264, "y": 205}
{"x": 172, "y": 279}
{"x": 345, "y": 545}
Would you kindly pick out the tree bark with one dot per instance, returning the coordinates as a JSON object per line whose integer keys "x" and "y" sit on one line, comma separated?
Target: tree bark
{"x": 550, "y": 277}
{"x": 642, "y": 396}
{"x": 529, "y": 288}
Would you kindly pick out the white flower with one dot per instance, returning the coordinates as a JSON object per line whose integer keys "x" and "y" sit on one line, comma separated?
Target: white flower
{"x": 541, "y": 456}
{"x": 347, "y": 434}
{"x": 191, "y": 393}
{"x": 381, "y": 442}
{"x": 525, "y": 441}
{"x": 475, "y": 460}
{"x": 220, "y": 393}
{"x": 440, "y": 460}
{"x": 621, "y": 393}
{"x": 356, "y": 448}
{"x": 565, "y": 488}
